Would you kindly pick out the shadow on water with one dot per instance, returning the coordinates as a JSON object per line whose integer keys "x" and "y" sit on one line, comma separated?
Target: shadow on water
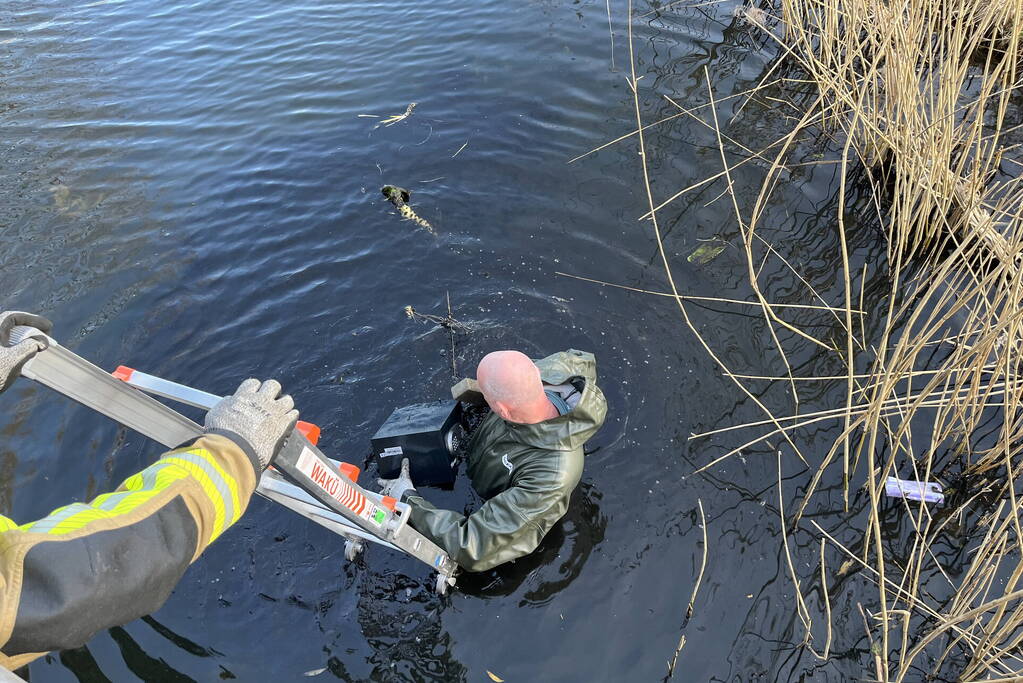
{"x": 135, "y": 658}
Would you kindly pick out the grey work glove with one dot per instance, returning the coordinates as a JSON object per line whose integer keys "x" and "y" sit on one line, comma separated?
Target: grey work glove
{"x": 257, "y": 417}
{"x": 400, "y": 488}
{"x": 12, "y": 358}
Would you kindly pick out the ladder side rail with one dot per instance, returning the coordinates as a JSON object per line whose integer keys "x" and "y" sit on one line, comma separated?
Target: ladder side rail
{"x": 384, "y": 525}
{"x": 306, "y": 465}
{"x": 71, "y": 375}
{"x": 67, "y": 373}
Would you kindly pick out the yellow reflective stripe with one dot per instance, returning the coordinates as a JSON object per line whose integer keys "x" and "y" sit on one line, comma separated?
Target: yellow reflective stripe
{"x": 67, "y": 519}
{"x": 124, "y": 501}
{"x": 80, "y": 517}
{"x": 211, "y": 483}
{"x": 141, "y": 488}
{"x": 231, "y": 482}
{"x": 47, "y": 523}
{"x": 219, "y": 487}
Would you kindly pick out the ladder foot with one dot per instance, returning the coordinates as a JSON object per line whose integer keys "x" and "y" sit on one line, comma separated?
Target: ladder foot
{"x": 443, "y": 584}
{"x": 352, "y": 549}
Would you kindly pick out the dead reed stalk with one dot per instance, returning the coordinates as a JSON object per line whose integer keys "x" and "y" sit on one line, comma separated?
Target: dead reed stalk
{"x": 915, "y": 94}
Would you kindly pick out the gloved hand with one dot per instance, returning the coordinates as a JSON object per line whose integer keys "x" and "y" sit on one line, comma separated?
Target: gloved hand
{"x": 257, "y": 416}
{"x": 12, "y": 358}
{"x": 401, "y": 487}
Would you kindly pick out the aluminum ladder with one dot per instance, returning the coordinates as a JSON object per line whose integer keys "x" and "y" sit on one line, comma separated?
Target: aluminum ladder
{"x": 301, "y": 477}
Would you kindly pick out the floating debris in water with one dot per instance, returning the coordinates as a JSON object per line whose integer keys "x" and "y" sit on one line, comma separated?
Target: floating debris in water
{"x": 315, "y": 672}
{"x": 390, "y": 120}
{"x": 705, "y": 253}
{"x": 924, "y": 491}
{"x": 400, "y": 197}
{"x": 446, "y": 322}
{"x": 846, "y": 567}
{"x": 73, "y": 203}
{"x": 753, "y": 14}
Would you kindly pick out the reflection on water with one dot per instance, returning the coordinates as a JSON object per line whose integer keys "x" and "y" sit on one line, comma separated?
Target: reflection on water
{"x": 144, "y": 666}
{"x": 400, "y": 619}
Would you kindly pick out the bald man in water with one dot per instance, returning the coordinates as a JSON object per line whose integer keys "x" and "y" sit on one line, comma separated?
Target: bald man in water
{"x": 524, "y": 459}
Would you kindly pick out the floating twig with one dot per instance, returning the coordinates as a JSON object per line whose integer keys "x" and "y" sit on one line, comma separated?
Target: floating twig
{"x": 451, "y": 335}
{"x": 671, "y": 664}
{"x": 428, "y": 136}
{"x": 397, "y": 118}
{"x": 448, "y": 323}
{"x": 703, "y": 563}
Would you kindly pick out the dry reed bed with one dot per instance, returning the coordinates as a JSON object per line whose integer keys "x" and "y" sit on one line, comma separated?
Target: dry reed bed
{"x": 915, "y": 93}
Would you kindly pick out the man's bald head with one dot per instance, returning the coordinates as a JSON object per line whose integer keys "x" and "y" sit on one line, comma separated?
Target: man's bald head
{"x": 512, "y": 386}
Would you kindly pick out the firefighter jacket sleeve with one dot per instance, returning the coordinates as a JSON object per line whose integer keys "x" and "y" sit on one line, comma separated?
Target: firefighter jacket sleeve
{"x": 509, "y": 525}
{"x": 87, "y": 567}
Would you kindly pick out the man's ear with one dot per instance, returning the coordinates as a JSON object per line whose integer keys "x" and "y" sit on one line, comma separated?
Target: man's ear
{"x": 501, "y": 408}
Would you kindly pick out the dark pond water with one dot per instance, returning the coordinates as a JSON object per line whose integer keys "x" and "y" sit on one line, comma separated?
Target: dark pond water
{"x": 190, "y": 188}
